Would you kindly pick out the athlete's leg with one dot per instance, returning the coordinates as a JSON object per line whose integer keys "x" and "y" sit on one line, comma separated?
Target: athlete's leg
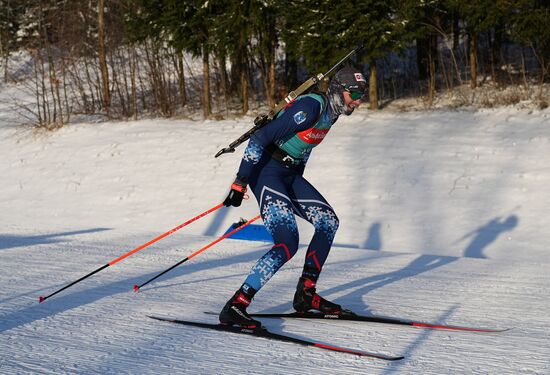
{"x": 271, "y": 192}
{"x": 277, "y": 213}
{"x": 313, "y": 207}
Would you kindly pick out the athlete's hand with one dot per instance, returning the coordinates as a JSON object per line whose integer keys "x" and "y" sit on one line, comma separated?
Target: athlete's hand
{"x": 236, "y": 195}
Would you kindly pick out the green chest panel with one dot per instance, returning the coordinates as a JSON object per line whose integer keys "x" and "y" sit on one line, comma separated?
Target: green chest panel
{"x": 300, "y": 144}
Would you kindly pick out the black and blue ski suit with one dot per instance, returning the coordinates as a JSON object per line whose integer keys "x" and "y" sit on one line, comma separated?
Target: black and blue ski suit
{"x": 273, "y": 164}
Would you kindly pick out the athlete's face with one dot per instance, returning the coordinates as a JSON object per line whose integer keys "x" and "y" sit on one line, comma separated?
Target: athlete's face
{"x": 350, "y": 104}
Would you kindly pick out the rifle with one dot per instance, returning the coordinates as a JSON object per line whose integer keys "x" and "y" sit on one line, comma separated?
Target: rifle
{"x": 262, "y": 120}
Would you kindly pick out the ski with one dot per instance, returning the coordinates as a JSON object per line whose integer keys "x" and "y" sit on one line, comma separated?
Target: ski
{"x": 350, "y": 316}
{"x": 264, "y": 333}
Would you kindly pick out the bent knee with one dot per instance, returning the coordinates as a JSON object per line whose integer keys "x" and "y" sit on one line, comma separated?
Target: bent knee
{"x": 327, "y": 224}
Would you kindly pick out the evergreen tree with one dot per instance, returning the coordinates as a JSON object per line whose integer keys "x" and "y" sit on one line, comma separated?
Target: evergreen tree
{"x": 380, "y": 26}
{"x": 324, "y": 32}
{"x": 424, "y": 24}
{"x": 10, "y": 19}
{"x": 529, "y": 25}
{"x": 234, "y": 24}
{"x": 478, "y": 17}
{"x": 265, "y": 32}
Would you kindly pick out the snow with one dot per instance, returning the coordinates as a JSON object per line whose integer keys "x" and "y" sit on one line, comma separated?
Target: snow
{"x": 443, "y": 219}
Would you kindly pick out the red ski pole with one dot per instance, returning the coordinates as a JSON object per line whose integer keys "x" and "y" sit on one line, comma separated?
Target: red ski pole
{"x": 137, "y": 287}
{"x": 141, "y": 247}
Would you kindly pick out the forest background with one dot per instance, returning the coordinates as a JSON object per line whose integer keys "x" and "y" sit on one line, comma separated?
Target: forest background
{"x": 129, "y": 59}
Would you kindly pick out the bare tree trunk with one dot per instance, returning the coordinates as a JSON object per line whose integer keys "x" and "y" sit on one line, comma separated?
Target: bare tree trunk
{"x": 272, "y": 83}
{"x": 244, "y": 91}
{"x": 431, "y": 82}
{"x": 496, "y": 44}
{"x": 92, "y": 106}
{"x": 54, "y": 88}
{"x": 133, "y": 70}
{"x": 473, "y": 60}
{"x": 523, "y": 69}
{"x": 181, "y": 78}
{"x": 102, "y": 56}
{"x": 456, "y": 32}
{"x": 224, "y": 81}
{"x": 373, "y": 86}
{"x": 6, "y": 55}
{"x": 37, "y": 87}
{"x": 65, "y": 94}
{"x": 206, "y": 106}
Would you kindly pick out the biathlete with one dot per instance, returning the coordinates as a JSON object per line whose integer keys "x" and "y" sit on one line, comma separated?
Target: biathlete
{"x": 272, "y": 166}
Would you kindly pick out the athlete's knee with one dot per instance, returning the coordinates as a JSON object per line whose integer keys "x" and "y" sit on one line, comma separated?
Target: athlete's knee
{"x": 286, "y": 250}
{"x": 282, "y": 234}
{"x": 335, "y": 223}
{"x": 288, "y": 245}
{"x": 327, "y": 223}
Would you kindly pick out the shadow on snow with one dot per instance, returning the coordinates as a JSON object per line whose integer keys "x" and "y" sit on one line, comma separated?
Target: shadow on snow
{"x": 11, "y": 241}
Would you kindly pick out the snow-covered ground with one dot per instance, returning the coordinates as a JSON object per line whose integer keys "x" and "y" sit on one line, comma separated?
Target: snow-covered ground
{"x": 444, "y": 218}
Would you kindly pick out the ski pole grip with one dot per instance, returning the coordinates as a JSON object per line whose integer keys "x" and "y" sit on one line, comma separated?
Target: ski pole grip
{"x": 224, "y": 151}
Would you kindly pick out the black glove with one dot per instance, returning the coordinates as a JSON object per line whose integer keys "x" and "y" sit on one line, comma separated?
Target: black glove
{"x": 236, "y": 195}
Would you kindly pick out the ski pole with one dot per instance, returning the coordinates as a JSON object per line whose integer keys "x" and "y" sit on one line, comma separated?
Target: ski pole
{"x": 141, "y": 247}
{"x": 137, "y": 287}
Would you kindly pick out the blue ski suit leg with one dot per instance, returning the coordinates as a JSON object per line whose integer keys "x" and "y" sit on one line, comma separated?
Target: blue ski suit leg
{"x": 282, "y": 193}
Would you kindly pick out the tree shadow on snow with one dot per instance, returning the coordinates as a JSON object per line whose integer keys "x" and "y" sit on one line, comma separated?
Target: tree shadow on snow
{"x": 374, "y": 239}
{"x": 68, "y": 300}
{"x": 8, "y": 241}
{"x": 358, "y": 288}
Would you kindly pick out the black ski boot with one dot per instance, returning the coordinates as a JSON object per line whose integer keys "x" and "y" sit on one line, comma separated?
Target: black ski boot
{"x": 234, "y": 311}
{"x": 306, "y": 299}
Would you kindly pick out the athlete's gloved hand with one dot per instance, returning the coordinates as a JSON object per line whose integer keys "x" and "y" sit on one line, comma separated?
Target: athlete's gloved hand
{"x": 236, "y": 195}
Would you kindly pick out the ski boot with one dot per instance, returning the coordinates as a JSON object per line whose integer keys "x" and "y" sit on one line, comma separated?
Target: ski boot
{"x": 234, "y": 311}
{"x": 306, "y": 299}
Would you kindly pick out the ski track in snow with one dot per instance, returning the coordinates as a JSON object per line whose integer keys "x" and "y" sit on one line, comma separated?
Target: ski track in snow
{"x": 100, "y": 325}
{"x": 452, "y": 205}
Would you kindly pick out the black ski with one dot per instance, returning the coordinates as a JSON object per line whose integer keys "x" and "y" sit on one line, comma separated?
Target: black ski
{"x": 264, "y": 333}
{"x": 350, "y": 316}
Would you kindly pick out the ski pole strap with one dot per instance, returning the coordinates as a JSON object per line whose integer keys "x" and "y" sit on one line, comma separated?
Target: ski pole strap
{"x": 239, "y": 188}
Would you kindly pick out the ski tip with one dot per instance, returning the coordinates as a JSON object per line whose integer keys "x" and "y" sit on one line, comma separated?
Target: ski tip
{"x": 41, "y": 299}
{"x": 136, "y": 289}
{"x": 459, "y": 328}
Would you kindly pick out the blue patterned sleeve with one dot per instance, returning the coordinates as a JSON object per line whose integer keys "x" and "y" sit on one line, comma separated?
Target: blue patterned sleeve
{"x": 251, "y": 157}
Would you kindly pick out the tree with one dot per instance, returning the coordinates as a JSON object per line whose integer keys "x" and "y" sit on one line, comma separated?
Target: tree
{"x": 478, "y": 17}
{"x": 265, "y": 18}
{"x": 424, "y": 24}
{"x": 10, "y": 18}
{"x": 234, "y": 27}
{"x": 102, "y": 55}
{"x": 529, "y": 25}
{"x": 379, "y": 25}
{"x": 188, "y": 25}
